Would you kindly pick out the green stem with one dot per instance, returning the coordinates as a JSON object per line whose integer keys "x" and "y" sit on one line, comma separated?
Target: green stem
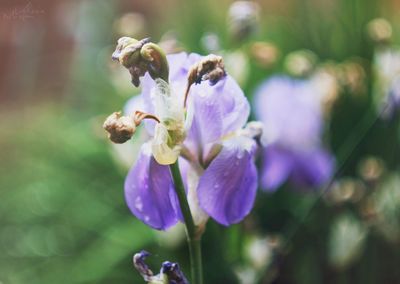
{"x": 191, "y": 230}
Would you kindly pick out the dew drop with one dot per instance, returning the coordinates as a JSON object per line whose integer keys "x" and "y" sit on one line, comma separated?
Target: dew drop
{"x": 240, "y": 154}
{"x": 216, "y": 186}
{"x": 139, "y": 204}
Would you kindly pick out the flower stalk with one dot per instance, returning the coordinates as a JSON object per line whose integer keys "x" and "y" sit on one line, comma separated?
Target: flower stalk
{"x": 193, "y": 235}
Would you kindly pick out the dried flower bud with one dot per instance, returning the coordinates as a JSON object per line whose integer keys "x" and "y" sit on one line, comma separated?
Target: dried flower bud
{"x": 120, "y": 128}
{"x": 140, "y": 57}
{"x": 209, "y": 68}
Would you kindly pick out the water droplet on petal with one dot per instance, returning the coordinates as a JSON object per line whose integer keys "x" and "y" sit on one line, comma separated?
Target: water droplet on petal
{"x": 216, "y": 186}
{"x": 240, "y": 154}
{"x": 139, "y": 204}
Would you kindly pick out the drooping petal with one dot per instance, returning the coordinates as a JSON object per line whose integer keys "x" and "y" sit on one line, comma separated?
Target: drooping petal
{"x": 149, "y": 192}
{"x": 229, "y": 96}
{"x": 227, "y": 188}
{"x": 313, "y": 168}
{"x": 217, "y": 111}
{"x": 235, "y": 106}
{"x": 276, "y": 168}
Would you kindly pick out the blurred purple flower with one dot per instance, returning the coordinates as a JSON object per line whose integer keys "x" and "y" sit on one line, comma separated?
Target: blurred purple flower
{"x": 293, "y": 125}
{"x": 218, "y": 170}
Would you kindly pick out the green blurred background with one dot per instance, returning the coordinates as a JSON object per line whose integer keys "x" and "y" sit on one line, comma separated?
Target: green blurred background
{"x": 63, "y": 218}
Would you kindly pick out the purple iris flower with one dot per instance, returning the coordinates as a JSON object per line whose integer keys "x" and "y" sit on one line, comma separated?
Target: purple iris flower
{"x": 218, "y": 166}
{"x": 293, "y": 124}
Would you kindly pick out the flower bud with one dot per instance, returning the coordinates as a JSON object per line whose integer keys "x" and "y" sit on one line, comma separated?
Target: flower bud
{"x": 169, "y": 273}
{"x": 120, "y": 128}
{"x": 140, "y": 57}
{"x": 209, "y": 68}
{"x": 173, "y": 272}
{"x": 141, "y": 266}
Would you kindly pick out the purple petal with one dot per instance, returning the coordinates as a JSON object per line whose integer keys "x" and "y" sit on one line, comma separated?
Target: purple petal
{"x": 313, "y": 168}
{"x": 217, "y": 111}
{"x": 291, "y": 115}
{"x": 206, "y": 125}
{"x": 227, "y": 188}
{"x": 149, "y": 192}
{"x": 133, "y": 104}
{"x": 226, "y": 96}
{"x": 229, "y": 96}
{"x": 276, "y": 168}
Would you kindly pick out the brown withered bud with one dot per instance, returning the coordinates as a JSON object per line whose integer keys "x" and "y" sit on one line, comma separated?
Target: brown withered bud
{"x": 141, "y": 56}
{"x": 210, "y": 68}
{"x": 120, "y": 128}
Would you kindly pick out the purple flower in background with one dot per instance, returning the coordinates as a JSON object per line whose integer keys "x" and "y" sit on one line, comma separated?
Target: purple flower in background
{"x": 293, "y": 125}
{"x": 216, "y": 155}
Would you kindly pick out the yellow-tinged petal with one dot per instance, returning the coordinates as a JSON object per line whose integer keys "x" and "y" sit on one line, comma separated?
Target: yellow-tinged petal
{"x": 162, "y": 152}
